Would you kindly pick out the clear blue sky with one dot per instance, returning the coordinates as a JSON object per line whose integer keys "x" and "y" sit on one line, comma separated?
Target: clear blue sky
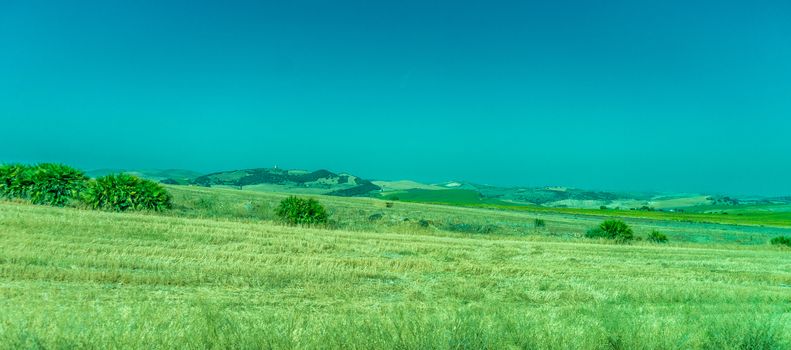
{"x": 631, "y": 95}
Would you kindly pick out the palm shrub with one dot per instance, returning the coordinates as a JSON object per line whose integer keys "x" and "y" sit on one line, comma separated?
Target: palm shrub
{"x": 55, "y": 184}
{"x": 15, "y": 180}
{"x": 299, "y": 211}
{"x": 122, "y": 192}
{"x": 612, "y": 229}
{"x": 657, "y": 237}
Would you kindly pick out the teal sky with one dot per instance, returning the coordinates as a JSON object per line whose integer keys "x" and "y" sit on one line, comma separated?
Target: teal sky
{"x": 623, "y": 95}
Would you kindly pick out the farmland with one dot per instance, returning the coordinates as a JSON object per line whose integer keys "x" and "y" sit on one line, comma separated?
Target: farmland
{"x": 218, "y": 271}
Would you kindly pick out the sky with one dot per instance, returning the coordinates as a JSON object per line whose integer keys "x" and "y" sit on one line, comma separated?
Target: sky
{"x": 674, "y": 96}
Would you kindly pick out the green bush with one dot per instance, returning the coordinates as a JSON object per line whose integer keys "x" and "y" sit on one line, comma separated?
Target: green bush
{"x": 612, "y": 229}
{"x": 300, "y": 211}
{"x": 469, "y": 228}
{"x": 657, "y": 237}
{"x": 15, "y": 180}
{"x": 781, "y": 240}
{"x": 538, "y": 223}
{"x": 596, "y": 232}
{"x": 123, "y": 192}
{"x": 55, "y": 184}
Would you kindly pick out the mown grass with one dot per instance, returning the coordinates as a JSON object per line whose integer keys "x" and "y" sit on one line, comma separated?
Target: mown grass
{"x": 227, "y": 277}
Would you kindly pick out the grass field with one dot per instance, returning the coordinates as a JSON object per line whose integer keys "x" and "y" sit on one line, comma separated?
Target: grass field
{"x": 750, "y": 214}
{"x": 217, "y": 272}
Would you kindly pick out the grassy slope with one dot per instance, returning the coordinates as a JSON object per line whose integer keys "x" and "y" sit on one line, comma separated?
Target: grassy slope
{"x": 354, "y": 214}
{"x": 73, "y": 278}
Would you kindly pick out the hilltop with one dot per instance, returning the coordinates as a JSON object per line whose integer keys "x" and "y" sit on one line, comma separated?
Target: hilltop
{"x": 300, "y": 181}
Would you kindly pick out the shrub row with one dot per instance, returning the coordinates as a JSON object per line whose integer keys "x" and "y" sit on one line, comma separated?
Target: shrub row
{"x": 60, "y": 185}
{"x": 50, "y": 184}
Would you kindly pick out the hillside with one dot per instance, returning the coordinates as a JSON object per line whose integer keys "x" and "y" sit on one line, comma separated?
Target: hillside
{"x": 460, "y": 192}
{"x": 297, "y": 181}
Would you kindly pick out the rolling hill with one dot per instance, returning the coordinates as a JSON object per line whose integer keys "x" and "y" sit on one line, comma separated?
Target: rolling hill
{"x": 325, "y": 182}
{"x": 299, "y": 181}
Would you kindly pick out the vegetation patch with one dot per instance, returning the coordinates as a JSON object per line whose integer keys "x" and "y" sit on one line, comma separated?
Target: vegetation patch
{"x": 470, "y": 228}
{"x": 781, "y": 240}
{"x": 299, "y": 211}
{"x": 361, "y": 190}
{"x": 124, "y": 192}
{"x": 612, "y": 229}
{"x": 55, "y": 184}
{"x": 16, "y": 180}
{"x": 169, "y": 181}
{"x": 657, "y": 237}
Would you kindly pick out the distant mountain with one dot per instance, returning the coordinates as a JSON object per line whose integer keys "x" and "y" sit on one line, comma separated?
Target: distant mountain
{"x": 299, "y": 181}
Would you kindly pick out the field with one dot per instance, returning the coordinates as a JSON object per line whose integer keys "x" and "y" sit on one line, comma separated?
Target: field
{"x": 218, "y": 272}
{"x": 751, "y": 214}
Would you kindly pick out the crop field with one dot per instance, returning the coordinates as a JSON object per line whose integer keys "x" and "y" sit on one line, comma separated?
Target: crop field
{"x": 217, "y": 271}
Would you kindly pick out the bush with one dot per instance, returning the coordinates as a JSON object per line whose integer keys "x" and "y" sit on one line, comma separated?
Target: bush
{"x": 15, "y": 180}
{"x": 781, "y": 240}
{"x": 612, "y": 229}
{"x": 55, "y": 184}
{"x": 538, "y": 223}
{"x": 470, "y": 228}
{"x": 657, "y": 237}
{"x": 299, "y": 211}
{"x": 123, "y": 192}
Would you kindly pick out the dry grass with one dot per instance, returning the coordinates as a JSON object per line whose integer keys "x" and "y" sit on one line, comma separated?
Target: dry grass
{"x": 82, "y": 279}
